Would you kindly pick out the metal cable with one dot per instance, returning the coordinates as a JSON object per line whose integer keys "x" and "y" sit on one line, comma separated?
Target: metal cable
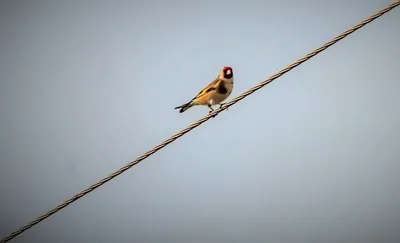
{"x": 199, "y": 122}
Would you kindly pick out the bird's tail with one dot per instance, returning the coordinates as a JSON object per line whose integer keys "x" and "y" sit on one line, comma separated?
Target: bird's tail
{"x": 184, "y": 107}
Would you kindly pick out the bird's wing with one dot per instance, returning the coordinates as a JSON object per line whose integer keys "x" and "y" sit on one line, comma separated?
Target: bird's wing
{"x": 212, "y": 86}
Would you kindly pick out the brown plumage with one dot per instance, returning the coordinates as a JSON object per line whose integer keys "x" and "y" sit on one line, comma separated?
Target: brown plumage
{"x": 214, "y": 93}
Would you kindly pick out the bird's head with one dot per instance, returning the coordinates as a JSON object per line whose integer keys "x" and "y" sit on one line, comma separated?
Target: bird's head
{"x": 226, "y": 73}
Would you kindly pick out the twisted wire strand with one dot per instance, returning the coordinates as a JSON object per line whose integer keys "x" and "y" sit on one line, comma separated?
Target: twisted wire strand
{"x": 200, "y": 121}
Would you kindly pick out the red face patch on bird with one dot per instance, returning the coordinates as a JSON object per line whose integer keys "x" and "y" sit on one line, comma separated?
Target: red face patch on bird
{"x": 227, "y": 72}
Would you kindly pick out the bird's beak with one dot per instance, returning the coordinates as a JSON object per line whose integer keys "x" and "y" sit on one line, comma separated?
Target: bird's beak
{"x": 228, "y": 72}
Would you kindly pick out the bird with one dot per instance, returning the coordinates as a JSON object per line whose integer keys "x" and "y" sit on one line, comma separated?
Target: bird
{"x": 214, "y": 93}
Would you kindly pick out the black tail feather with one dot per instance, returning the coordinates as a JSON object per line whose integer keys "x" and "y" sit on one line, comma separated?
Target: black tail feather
{"x": 184, "y": 107}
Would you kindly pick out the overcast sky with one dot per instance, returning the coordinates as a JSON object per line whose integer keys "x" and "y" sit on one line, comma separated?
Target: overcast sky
{"x": 87, "y": 86}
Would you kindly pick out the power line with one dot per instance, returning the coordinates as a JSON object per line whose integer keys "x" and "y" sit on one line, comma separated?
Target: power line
{"x": 199, "y": 122}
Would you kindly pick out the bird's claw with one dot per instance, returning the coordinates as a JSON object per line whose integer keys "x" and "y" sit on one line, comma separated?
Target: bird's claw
{"x": 213, "y": 115}
{"x": 220, "y": 106}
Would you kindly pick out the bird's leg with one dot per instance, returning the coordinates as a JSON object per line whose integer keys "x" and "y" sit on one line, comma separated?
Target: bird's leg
{"x": 209, "y": 106}
{"x": 220, "y": 106}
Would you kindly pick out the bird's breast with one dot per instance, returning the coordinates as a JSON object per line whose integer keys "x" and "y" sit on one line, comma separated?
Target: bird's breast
{"x": 228, "y": 87}
{"x": 223, "y": 91}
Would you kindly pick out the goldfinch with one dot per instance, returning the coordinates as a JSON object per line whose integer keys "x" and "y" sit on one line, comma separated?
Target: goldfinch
{"x": 214, "y": 93}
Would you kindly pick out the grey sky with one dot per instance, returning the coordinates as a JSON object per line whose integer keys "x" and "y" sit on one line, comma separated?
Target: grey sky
{"x": 88, "y": 86}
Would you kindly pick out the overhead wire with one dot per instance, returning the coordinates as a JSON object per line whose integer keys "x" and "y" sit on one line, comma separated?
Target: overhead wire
{"x": 199, "y": 122}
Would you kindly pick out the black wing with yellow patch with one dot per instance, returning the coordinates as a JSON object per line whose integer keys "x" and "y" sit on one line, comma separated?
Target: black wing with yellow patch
{"x": 212, "y": 86}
